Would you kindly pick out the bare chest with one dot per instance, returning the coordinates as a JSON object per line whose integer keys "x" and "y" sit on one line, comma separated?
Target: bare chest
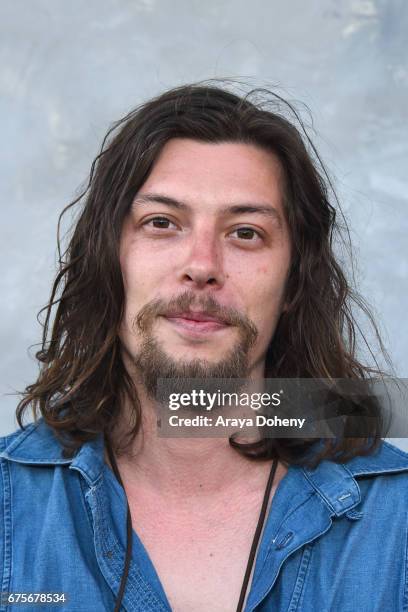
{"x": 200, "y": 560}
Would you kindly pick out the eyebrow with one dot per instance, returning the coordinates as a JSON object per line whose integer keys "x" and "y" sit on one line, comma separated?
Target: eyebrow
{"x": 234, "y": 209}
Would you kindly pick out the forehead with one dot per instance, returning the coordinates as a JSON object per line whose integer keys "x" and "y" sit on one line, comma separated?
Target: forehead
{"x": 216, "y": 172}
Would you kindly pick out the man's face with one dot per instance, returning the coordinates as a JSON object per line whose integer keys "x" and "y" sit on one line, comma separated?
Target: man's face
{"x": 205, "y": 254}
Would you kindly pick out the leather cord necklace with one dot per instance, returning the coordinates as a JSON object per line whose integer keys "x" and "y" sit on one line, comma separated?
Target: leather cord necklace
{"x": 252, "y": 552}
{"x": 128, "y": 557}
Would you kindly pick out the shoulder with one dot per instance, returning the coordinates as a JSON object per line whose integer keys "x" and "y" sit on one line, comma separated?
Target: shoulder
{"x": 26, "y": 453}
{"x": 36, "y": 443}
{"x": 24, "y": 449}
{"x": 21, "y": 454}
{"x": 378, "y": 481}
{"x": 6, "y": 442}
{"x": 388, "y": 459}
{"x": 384, "y": 471}
{"x": 8, "y": 439}
{"x": 382, "y": 478}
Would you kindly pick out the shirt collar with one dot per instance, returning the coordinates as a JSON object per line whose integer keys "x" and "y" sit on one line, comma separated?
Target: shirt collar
{"x": 38, "y": 445}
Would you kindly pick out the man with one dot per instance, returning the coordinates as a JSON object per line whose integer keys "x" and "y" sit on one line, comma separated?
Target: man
{"x": 203, "y": 250}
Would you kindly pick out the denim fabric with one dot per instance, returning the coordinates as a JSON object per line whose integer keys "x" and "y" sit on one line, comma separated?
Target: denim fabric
{"x": 335, "y": 538}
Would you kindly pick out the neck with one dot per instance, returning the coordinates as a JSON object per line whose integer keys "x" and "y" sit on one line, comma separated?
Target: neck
{"x": 177, "y": 468}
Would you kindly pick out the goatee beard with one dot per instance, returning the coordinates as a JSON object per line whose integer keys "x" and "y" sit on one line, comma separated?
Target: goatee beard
{"x": 154, "y": 363}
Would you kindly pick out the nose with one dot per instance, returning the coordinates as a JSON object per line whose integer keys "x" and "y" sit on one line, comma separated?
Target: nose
{"x": 203, "y": 264}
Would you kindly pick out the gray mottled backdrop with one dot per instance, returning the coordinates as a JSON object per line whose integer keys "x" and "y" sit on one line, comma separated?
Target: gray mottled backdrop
{"x": 68, "y": 69}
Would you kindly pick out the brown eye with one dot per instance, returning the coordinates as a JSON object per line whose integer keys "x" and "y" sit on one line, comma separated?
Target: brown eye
{"x": 247, "y": 233}
{"x": 158, "y": 222}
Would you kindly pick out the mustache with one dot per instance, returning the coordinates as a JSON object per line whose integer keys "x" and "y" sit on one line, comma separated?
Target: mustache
{"x": 159, "y": 307}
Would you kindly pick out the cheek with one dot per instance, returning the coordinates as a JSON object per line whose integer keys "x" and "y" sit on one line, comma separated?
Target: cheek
{"x": 143, "y": 278}
{"x": 266, "y": 295}
{"x": 137, "y": 270}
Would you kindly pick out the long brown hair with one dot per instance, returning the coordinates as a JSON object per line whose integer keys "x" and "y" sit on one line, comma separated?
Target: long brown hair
{"x": 83, "y": 381}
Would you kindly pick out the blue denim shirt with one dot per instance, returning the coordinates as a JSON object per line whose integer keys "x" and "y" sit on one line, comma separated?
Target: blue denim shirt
{"x": 335, "y": 538}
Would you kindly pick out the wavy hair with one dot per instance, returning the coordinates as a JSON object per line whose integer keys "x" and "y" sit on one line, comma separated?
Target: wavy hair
{"x": 82, "y": 380}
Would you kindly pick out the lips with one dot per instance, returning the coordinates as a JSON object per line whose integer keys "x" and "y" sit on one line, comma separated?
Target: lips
{"x": 196, "y": 322}
{"x": 200, "y": 317}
